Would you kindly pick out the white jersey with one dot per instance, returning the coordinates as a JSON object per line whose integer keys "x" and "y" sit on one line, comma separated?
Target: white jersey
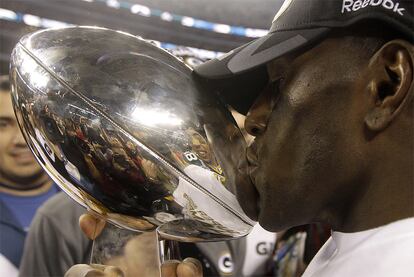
{"x": 385, "y": 251}
{"x": 259, "y": 248}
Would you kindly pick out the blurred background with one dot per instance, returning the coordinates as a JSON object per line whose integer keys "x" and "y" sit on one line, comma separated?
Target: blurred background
{"x": 204, "y": 28}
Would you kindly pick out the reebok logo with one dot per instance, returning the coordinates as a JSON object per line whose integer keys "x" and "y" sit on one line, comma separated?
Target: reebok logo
{"x": 354, "y": 5}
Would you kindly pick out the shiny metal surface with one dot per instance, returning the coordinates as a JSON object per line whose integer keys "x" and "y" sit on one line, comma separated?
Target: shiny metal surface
{"x": 120, "y": 125}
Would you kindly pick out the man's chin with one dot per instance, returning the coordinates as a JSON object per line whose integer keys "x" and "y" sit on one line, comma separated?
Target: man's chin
{"x": 22, "y": 181}
{"x": 273, "y": 219}
{"x": 272, "y": 225}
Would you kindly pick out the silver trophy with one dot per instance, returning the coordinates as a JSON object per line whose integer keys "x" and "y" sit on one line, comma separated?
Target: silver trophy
{"x": 121, "y": 126}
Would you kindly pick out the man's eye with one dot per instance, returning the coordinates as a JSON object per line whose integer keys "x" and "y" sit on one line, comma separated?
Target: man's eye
{"x": 276, "y": 90}
{"x": 4, "y": 124}
{"x": 277, "y": 85}
{"x": 280, "y": 83}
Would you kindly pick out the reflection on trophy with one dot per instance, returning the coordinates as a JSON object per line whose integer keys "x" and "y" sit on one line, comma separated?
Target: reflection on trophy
{"x": 123, "y": 129}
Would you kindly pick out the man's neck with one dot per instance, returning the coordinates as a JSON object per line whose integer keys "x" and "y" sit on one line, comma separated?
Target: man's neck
{"x": 387, "y": 197}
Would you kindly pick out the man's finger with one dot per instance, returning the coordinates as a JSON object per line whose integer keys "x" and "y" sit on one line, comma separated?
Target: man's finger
{"x": 84, "y": 270}
{"x": 113, "y": 271}
{"x": 94, "y": 270}
{"x": 169, "y": 268}
{"x": 91, "y": 225}
{"x": 190, "y": 267}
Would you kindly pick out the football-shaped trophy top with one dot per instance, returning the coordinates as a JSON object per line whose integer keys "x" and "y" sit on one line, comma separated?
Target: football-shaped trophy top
{"x": 121, "y": 126}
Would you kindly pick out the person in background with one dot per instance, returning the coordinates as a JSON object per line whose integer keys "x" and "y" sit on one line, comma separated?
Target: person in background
{"x": 54, "y": 243}
{"x": 24, "y": 186}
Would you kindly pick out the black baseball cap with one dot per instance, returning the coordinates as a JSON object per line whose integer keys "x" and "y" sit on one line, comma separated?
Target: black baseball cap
{"x": 297, "y": 24}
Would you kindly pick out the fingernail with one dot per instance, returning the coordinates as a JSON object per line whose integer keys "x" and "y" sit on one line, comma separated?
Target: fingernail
{"x": 171, "y": 261}
{"x": 194, "y": 263}
{"x": 191, "y": 266}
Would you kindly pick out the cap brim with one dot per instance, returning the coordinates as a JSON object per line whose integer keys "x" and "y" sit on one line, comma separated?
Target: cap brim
{"x": 258, "y": 52}
{"x": 239, "y": 75}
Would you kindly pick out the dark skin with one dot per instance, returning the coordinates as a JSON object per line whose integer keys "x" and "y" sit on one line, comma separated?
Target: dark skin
{"x": 334, "y": 143}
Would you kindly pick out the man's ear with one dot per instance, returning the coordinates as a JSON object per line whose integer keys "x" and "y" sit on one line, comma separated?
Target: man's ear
{"x": 391, "y": 85}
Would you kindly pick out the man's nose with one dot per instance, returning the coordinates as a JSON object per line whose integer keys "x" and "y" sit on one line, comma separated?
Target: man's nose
{"x": 18, "y": 137}
{"x": 258, "y": 115}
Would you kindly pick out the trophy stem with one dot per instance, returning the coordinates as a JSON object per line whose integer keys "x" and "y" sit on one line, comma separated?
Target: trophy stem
{"x": 167, "y": 249}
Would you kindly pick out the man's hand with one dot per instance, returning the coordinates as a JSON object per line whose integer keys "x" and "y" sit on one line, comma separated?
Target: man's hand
{"x": 188, "y": 268}
{"x": 92, "y": 228}
{"x": 94, "y": 270}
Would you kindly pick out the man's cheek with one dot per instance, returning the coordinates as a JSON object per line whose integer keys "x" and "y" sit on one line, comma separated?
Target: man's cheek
{"x": 3, "y": 143}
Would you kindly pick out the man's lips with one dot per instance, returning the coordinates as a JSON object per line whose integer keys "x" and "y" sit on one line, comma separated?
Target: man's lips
{"x": 247, "y": 193}
{"x": 22, "y": 156}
